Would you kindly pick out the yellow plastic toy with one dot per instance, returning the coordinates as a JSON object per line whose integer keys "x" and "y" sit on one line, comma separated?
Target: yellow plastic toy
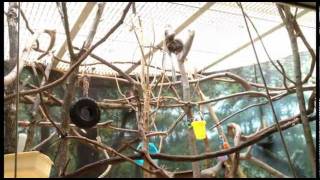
{"x": 199, "y": 129}
{"x": 31, "y": 164}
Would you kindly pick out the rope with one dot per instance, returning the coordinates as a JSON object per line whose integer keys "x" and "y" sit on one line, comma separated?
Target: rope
{"x": 17, "y": 99}
{"x": 85, "y": 81}
{"x": 85, "y": 85}
{"x": 269, "y": 99}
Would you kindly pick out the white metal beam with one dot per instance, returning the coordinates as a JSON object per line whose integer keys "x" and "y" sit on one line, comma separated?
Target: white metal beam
{"x": 249, "y": 43}
{"x": 75, "y": 29}
{"x": 186, "y": 23}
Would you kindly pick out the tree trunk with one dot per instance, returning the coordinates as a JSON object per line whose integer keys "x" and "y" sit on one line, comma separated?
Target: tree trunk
{"x": 67, "y": 100}
{"x": 187, "y": 109}
{"x": 289, "y": 22}
{"x": 10, "y": 119}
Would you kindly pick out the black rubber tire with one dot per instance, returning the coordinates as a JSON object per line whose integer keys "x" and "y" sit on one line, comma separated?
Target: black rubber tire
{"x": 84, "y": 113}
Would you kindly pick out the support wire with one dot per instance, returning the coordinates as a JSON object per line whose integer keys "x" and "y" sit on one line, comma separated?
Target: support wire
{"x": 17, "y": 99}
{"x": 268, "y": 94}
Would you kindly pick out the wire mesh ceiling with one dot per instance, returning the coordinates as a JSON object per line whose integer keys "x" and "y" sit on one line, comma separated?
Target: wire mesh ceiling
{"x": 219, "y": 31}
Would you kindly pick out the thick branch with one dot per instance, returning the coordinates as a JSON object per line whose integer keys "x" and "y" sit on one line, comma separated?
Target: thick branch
{"x": 289, "y": 20}
{"x": 64, "y": 16}
{"x": 312, "y": 53}
{"x": 186, "y": 97}
{"x": 79, "y": 61}
{"x": 10, "y": 77}
{"x": 68, "y": 96}
{"x": 9, "y": 110}
{"x": 235, "y": 131}
{"x": 285, "y": 124}
{"x": 265, "y": 166}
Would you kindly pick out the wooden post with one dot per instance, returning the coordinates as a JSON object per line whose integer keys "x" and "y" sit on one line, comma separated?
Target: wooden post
{"x": 186, "y": 97}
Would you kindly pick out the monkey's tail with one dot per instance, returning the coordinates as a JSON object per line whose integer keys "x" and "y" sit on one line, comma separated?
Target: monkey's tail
{"x": 173, "y": 71}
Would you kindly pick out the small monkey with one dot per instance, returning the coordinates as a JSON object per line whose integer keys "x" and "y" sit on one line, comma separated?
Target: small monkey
{"x": 173, "y": 45}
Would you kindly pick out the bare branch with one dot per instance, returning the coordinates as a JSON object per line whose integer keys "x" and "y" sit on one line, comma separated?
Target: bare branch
{"x": 65, "y": 20}
{"x": 285, "y": 124}
{"x": 186, "y": 48}
{"x": 52, "y": 34}
{"x": 186, "y": 96}
{"x": 266, "y": 167}
{"x": 10, "y": 77}
{"x": 235, "y": 131}
{"x": 290, "y": 23}
{"x": 77, "y": 63}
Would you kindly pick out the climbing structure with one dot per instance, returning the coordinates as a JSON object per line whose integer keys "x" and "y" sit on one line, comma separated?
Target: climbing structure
{"x": 162, "y": 89}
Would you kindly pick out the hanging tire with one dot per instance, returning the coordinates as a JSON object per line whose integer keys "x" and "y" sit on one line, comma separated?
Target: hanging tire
{"x": 84, "y": 113}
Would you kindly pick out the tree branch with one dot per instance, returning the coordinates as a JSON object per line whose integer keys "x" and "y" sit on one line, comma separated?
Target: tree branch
{"x": 285, "y": 124}
{"x": 289, "y": 21}
{"x": 10, "y": 77}
{"x": 65, "y": 20}
{"x": 76, "y": 64}
{"x": 264, "y": 166}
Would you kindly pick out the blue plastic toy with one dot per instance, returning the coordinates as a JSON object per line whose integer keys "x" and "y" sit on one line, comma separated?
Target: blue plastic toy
{"x": 152, "y": 150}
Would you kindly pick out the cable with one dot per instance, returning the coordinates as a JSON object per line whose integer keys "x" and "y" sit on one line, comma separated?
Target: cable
{"x": 269, "y": 99}
{"x": 17, "y": 99}
{"x": 260, "y": 109}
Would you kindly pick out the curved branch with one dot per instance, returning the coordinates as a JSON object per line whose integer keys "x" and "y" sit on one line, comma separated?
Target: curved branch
{"x": 25, "y": 123}
{"x": 77, "y": 63}
{"x": 285, "y": 124}
{"x": 234, "y": 130}
{"x": 10, "y": 77}
{"x": 312, "y": 53}
{"x": 111, "y": 150}
{"x": 265, "y": 166}
{"x": 52, "y": 34}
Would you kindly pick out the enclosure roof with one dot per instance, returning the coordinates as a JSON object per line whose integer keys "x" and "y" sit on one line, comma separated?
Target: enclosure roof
{"x": 221, "y": 38}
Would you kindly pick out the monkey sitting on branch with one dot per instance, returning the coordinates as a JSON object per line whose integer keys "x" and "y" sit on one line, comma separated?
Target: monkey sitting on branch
{"x": 177, "y": 47}
{"x": 172, "y": 46}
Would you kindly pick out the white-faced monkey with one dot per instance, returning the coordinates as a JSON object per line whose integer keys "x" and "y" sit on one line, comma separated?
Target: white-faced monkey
{"x": 172, "y": 45}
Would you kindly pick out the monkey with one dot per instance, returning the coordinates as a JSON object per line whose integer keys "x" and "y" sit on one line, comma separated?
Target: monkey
{"x": 174, "y": 46}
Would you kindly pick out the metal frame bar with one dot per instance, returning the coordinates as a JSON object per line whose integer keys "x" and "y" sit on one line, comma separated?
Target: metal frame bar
{"x": 186, "y": 23}
{"x": 304, "y": 5}
{"x": 249, "y": 43}
{"x": 75, "y": 29}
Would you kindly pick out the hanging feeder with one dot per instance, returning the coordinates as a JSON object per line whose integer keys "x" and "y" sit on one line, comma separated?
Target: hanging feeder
{"x": 85, "y": 113}
{"x": 152, "y": 150}
{"x": 199, "y": 129}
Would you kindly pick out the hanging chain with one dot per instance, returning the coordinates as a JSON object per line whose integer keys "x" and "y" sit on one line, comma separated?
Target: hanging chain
{"x": 85, "y": 82}
{"x": 85, "y": 85}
